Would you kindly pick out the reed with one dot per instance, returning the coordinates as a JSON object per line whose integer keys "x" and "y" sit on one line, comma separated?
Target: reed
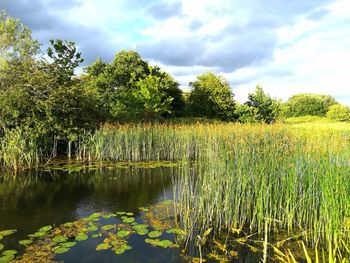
{"x": 232, "y": 176}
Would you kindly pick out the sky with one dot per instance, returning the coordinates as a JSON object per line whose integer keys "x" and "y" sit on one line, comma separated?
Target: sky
{"x": 287, "y": 47}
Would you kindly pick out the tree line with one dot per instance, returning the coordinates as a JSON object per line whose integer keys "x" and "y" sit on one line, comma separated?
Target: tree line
{"x": 41, "y": 95}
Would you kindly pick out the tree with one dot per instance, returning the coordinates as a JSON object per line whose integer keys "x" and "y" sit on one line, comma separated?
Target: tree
{"x": 339, "y": 112}
{"x": 211, "y": 97}
{"x": 16, "y": 42}
{"x": 149, "y": 101}
{"x": 65, "y": 60}
{"x": 308, "y": 104}
{"x": 266, "y": 107}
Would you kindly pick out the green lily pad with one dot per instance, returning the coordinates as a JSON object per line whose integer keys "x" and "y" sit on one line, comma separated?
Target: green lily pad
{"x": 134, "y": 223}
{"x": 1, "y": 247}
{"x": 95, "y": 235}
{"x": 37, "y": 234}
{"x": 129, "y": 214}
{"x": 128, "y": 220}
{"x": 140, "y": 226}
{"x": 6, "y": 258}
{"x": 107, "y": 227}
{"x": 176, "y": 231}
{"x": 68, "y": 244}
{"x": 9, "y": 252}
{"x": 59, "y": 239}
{"x": 81, "y": 237}
{"x": 62, "y": 250}
{"x": 68, "y": 224}
{"x": 166, "y": 243}
{"x": 96, "y": 215}
{"x": 119, "y": 251}
{"x": 120, "y": 213}
{"x": 142, "y": 232}
{"x": 92, "y": 228}
{"x": 123, "y": 233}
{"x": 109, "y": 216}
{"x": 102, "y": 246}
{"x": 154, "y": 234}
{"x": 45, "y": 228}
{"x": 7, "y": 232}
{"x": 25, "y": 242}
{"x": 1, "y": 237}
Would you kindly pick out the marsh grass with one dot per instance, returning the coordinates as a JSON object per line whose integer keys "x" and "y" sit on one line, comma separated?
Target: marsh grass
{"x": 293, "y": 178}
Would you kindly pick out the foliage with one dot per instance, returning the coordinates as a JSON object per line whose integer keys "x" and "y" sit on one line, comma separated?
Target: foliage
{"x": 265, "y": 109}
{"x": 246, "y": 114}
{"x": 65, "y": 59}
{"x": 308, "y": 104}
{"x": 306, "y": 119}
{"x": 339, "y": 112}
{"x": 211, "y": 97}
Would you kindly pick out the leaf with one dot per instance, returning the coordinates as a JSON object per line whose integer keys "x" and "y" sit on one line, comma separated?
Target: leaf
{"x": 45, "y": 228}
{"x": 119, "y": 251}
{"x": 37, "y": 234}
{"x": 123, "y": 233}
{"x": 103, "y": 246}
{"x": 92, "y": 228}
{"x": 1, "y": 237}
{"x": 68, "y": 224}
{"x": 7, "y": 258}
{"x": 62, "y": 250}
{"x": 128, "y": 220}
{"x": 154, "y": 234}
{"x": 81, "y": 237}
{"x": 25, "y": 242}
{"x": 7, "y": 232}
{"x": 121, "y": 213}
{"x": 129, "y": 214}
{"x": 9, "y": 252}
{"x": 142, "y": 232}
{"x": 107, "y": 227}
{"x": 1, "y": 247}
{"x": 59, "y": 239}
{"x": 68, "y": 244}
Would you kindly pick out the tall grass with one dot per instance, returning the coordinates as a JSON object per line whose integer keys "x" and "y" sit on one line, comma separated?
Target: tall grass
{"x": 295, "y": 178}
{"x": 17, "y": 150}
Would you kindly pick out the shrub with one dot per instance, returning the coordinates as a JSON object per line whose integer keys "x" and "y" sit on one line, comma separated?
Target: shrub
{"x": 339, "y": 113}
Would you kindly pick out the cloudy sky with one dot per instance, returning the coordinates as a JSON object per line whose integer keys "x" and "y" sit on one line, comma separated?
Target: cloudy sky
{"x": 286, "y": 46}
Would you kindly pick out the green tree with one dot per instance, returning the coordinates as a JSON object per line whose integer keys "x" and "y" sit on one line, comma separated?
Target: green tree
{"x": 308, "y": 104}
{"x": 65, "y": 60}
{"x": 149, "y": 101}
{"x": 16, "y": 42}
{"x": 211, "y": 97}
{"x": 339, "y": 112}
{"x": 265, "y": 107}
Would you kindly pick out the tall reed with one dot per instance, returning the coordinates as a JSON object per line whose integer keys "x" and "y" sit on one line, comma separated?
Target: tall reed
{"x": 296, "y": 178}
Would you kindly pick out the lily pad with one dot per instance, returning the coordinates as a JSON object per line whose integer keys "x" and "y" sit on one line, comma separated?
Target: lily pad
{"x": 1, "y": 237}
{"x": 37, "y": 234}
{"x": 107, "y": 227}
{"x": 154, "y": 234}
{"x": 68, "y": 244}
{"x": 1, "y": 247}
{"x": 142, "y": 232}
{"x": 68, "y": 224}
{"x": 62, "y": 250}
{"x": 121, "y": 213}
{"x": 81, "y": 237}
{"x": 59, "y": 239}
{"x": 128, "y": 220}
{"x": 129, "y": 214}
{"x": 95, "y": 235}
{"x": 123, "y": 233}
{"x": 6, "y": 258}
{"x": 25, "y": 242}
{"x": 108, "y": 216}
{"x": 102, "y": 246}
{"x": 92, "y": 228}
{"x": 45, "y": 228}
{"x": 9, "y": 252}
{"x": 7, "y": 232}
{"x": 161, "y": 243}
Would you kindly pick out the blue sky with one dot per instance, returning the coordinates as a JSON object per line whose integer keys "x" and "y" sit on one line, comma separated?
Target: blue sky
{"x": 287, "y": 47}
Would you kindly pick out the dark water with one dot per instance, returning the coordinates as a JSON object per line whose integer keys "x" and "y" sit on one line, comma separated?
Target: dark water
{"x": 31, "y": 200}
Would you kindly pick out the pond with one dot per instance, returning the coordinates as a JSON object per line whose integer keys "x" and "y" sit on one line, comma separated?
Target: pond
{"x": 94, "y": 201}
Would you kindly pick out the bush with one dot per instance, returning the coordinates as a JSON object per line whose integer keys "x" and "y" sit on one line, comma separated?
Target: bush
{"x": 339, "y": 113}
{"x": 305, "y": 119}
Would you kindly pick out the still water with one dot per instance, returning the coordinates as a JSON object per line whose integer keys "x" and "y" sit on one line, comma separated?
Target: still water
{"x": 52, "y": 197}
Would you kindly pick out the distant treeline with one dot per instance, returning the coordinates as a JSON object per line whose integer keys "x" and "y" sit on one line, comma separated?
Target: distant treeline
{"x": 41, "y": 97}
